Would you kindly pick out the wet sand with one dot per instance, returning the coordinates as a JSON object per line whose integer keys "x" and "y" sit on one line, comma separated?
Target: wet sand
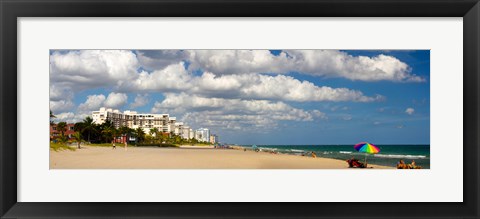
{"x": 186, "y": 158}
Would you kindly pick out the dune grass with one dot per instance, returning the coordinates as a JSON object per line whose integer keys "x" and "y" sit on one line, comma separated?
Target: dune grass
{"x": 60, "y": 147}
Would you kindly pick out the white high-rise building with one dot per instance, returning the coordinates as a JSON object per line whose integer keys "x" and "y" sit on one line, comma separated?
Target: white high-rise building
{"x": 163, "y": 122}
{"x": 133, "y": 120}
{"x": 213, "y": 139}
{"x": 178, "y": 128}
{"x": 185, "y": 132}
{"x": 202, "y": 134}
{"x": 192, "y": 134}
{"x": 115, "y": 116}
{"x": 171, "y": 124}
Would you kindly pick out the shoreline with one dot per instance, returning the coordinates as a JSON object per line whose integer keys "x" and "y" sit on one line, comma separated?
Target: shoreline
{"x": 187, "y": 157}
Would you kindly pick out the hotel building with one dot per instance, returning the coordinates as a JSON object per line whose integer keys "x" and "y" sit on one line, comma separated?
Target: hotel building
{"x": 213, "y": 139}
{"x": 54, "y": 133}
{"x": 134, "y": 120}
{"x": 163, "y": 122}
{"x": 202, "y": 134}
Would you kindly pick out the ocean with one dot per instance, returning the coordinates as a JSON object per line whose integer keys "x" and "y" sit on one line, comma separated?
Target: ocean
{"x": 389, "y": 154}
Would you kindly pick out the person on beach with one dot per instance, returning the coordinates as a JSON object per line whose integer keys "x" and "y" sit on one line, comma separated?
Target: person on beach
{"x": 401, "y": 165}
{"x": 355, "y": 163}
{"x": 113, "y": 145}
{"x": 314, "y": 155}
{"x": 350, "y": 161}
{"x": 125, "y": 145}
{"x": 413, "y": 165}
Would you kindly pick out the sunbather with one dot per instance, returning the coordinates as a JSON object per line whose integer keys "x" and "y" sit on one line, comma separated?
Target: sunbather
{"x": 413, "y": 165}
{"x": 401, "y": 165}
{"x": 355, "y": 163}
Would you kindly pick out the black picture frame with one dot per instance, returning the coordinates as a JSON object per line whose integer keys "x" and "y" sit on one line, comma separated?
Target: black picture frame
{"x": 10, "y": 10}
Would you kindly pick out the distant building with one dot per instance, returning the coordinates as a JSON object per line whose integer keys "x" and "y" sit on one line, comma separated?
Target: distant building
{"x": 54, "y": 133}
{"x": 178, "y": 128}
{"x": 185, "y": 132}
{"x": 213, "y": 139}
{"x": 134, "y": 120}
{"x": 191, "y": 134}
{"x": 171, "y": 124}
{"x": 202, "y": 134}
{"x": 163, "y": 122}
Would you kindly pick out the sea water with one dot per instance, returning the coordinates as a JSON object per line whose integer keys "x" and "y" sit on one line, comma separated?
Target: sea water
{"x": 389, "y": 155}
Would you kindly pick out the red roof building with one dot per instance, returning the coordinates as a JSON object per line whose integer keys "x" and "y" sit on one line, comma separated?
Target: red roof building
{"x": 54, "y": 133}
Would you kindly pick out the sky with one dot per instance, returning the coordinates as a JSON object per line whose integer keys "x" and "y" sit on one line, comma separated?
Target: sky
{"x": 256, "y": 96}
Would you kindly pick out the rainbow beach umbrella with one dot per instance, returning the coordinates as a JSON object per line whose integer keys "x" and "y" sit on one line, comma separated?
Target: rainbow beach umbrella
{"x": 366, "y": 148}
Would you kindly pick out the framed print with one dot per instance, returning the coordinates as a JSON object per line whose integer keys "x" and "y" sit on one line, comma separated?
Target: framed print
{"x": 239, "y": 109}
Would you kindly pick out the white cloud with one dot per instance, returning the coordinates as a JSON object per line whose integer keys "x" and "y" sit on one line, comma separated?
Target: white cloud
{"x": 238, "y": 61}
{"x": 60, "y": 99}
{"x": 87, "y": 69}
{"x": 232, "y": 113}
{"x": 175, "y": 78}
{"x": 409, "y": 111}
{"x": 172, "y": 78}
{"x": 334, "y": 63}
{"x": 140, "y": 100}
{"x": 72, "y": 71}
{"x": 69, "y": 117}
{"x": 159, "y": 59}
{"x": 115, "y": 100}
{"x": 93, "y": 102}
{"x": 60, "y": 106}
{"x": 287, "y": 88}
{"x": 324, "y": 63}
{"x": 60, "y": 93}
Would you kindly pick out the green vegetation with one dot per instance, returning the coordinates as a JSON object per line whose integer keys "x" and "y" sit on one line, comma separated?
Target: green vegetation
{"x": 62, "y": 128}
{"x": 51, "y": 117}
{"x": 60, "y": 147}
{"x": 78, "y": 138}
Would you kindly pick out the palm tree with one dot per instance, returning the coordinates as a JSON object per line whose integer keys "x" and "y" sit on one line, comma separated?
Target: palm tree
{"x": 88, "y": 126}
{"x": 51, "y": 117}
{"x": 124, "y": 130}
{"x": 63, "y": 140}
{"x": 109, "y": 133}
{"x": 177, "y": 139}
{"x": 78, "y": 138}
{"x": 62, "y": 127}
{"x": 163, "y": 138}
{"x": 140, "y": 134}
{"x": 115, "y": 133}
{"x": 154, "y": 132}
{"x": 106, "y": 130}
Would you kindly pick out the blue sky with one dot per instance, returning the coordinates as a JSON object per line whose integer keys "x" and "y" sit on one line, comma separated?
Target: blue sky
{"x": 256, "y": 96}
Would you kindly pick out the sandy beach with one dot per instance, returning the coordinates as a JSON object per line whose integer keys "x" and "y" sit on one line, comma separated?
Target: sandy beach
{"x": 185, "y": 158}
